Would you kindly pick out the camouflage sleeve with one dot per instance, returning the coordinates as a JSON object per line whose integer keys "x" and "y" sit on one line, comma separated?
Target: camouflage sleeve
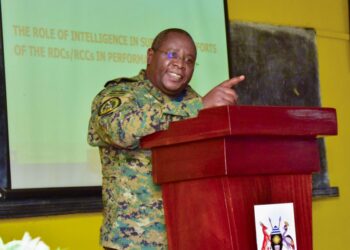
{"x": 120, "y": 122}
{"x": 188, "y": 108}
{"x": 120, "y": 118}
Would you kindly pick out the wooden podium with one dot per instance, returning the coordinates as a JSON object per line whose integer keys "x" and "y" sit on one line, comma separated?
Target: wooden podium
{"x": 214, "y": 168}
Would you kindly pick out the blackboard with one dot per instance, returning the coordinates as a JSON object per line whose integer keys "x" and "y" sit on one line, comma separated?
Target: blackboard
{"x": 281, "y": 68}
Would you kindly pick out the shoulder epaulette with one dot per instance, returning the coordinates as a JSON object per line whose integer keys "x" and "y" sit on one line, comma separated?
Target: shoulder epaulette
{"x": 120, "y": 80}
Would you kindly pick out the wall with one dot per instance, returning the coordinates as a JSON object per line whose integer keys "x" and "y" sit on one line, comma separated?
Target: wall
{"x": 330, "y": 19}
{"x": 69, "y": 232}
{"x": 330, "y": 216}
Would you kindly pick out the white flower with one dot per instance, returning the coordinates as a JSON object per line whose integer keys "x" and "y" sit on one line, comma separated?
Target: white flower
{"x": 27, "y": 243}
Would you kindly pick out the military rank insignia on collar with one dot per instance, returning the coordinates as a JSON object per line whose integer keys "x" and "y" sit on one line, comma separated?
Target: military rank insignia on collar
{"x": 109, "y": 105}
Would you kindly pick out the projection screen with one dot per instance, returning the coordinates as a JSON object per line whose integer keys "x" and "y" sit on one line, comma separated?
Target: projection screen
{"x": 59, "y": 54}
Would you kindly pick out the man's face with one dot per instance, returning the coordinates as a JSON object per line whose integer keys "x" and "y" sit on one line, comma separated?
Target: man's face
{"x": 170, "y": 67}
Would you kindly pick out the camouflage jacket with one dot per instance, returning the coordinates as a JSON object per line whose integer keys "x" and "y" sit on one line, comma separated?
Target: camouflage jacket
{"x": 123, "y": 112}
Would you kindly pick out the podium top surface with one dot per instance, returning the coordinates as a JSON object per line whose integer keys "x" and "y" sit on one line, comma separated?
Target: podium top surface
{"x": 247, "y": 121}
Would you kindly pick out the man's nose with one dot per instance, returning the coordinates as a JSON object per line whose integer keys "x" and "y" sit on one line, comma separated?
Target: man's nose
{"x": 179, "y": 61}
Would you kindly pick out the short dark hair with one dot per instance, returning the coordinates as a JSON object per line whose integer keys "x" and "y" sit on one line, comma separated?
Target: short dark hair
{"x": 158, "y": 40}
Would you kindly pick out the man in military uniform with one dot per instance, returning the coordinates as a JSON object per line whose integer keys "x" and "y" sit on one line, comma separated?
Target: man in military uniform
{"x": 130, "y": 108}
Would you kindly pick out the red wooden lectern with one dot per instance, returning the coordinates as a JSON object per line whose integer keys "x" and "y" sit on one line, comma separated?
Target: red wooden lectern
{"x": 214, "y": 168}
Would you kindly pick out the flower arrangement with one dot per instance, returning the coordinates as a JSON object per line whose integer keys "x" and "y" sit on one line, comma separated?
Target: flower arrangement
{"x": 27, "y": 243}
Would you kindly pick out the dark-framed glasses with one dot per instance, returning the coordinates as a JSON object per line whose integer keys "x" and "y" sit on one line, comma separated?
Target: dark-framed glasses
{"x": 174, "y": 55}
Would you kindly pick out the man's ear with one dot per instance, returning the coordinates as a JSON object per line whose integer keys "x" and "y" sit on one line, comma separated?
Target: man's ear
{"x": 150, "y": 53}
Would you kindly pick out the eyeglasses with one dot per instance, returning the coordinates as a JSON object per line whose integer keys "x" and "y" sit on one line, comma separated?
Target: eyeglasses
{"x": 173, "y": 55}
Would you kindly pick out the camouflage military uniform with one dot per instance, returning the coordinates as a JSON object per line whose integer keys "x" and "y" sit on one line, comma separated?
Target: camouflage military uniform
{"x": 123, "y": 112}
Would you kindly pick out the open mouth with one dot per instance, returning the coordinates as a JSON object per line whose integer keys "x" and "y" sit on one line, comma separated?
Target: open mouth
{"x": 174, "y": 76}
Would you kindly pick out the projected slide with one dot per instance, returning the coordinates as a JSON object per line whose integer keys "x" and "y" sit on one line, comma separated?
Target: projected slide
{"x": 59, "y": 54}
